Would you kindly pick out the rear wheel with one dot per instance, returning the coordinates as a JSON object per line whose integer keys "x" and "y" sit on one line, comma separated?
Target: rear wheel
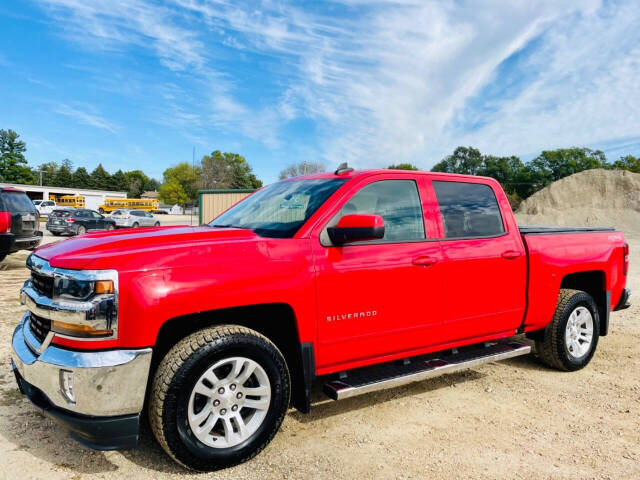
{"x": 110, "y": 226}
{"x": 135, "y": 225}
{"x": 3, "y": 256}
{"x": 571, "y": 338}
{"x": 218, "y": 397}
{"x": 56, "y": 234}
{"x": 101, "y": 210}
{"x": 157, "y": 224}
{"x": 81, "y": 230}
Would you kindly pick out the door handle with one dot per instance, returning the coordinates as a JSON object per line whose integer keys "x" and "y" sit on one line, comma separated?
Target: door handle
{"x": 510, "y": 254}
{"x": 424, "y": 261}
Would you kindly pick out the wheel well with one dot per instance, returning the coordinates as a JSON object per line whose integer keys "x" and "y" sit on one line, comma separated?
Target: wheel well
{"x": 276, "y": 321}
{"x": 594, "y": 283}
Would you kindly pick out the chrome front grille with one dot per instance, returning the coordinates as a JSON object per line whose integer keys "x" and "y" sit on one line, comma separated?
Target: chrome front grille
{"x": 42, "y": 283}
{"x": 39, "y": 326}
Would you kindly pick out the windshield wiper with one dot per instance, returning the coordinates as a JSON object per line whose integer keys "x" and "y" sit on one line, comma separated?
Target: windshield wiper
{"x": 226, "y": 225}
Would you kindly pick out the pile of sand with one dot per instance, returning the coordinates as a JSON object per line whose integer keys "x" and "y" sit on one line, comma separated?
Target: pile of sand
{"x": 605, "y": 198}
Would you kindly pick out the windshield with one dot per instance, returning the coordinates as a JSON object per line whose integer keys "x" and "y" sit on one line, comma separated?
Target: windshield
{"x": 280, "y": 209}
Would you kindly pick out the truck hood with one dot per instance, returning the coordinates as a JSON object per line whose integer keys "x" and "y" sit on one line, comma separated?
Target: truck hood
{"x": 114, "y": 249}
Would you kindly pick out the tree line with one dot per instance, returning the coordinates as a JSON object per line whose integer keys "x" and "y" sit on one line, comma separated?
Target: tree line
{"x": 522, "y": 179}
{"x": 225, "y": 170}
{"x": 14, "y": 168}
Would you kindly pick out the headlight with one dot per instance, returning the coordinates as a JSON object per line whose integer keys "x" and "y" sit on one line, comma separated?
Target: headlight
{"x": 73, "y": 289}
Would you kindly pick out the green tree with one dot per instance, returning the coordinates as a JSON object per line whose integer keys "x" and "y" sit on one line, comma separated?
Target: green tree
{"x": 100, "y": 178}
{"x": 64, "y": 175}
{"x": 119, "y": 181}
{"x": 81, "y": 178}
{"x": 152, "y": 185}
{"x": 187, "y": 176}
{"x": 467, "y": 160}
{"x": 628, "y": 162}
{"x": 227, "y": 170}
{"x": 172, "y": 193}
{"x": 403, "y": 166}
{"x": 136, "y": 181}
{"x": 552, "y": 165}
{"x": 48, "y": 171}
{"x": 302, "y": 168}
{"x": 13, "y": 164}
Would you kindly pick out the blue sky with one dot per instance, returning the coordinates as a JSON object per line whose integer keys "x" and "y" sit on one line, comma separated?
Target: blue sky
{"x": 140, "y": 83}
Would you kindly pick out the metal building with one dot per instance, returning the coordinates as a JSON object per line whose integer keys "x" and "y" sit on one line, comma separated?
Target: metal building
{"x": 212, "y": 203}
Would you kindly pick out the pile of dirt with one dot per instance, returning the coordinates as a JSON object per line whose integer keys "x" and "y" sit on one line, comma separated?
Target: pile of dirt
{"x": 605, "y": 198}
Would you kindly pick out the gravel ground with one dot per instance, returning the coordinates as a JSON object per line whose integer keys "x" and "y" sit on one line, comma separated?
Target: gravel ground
{"x": 512, "y": 419}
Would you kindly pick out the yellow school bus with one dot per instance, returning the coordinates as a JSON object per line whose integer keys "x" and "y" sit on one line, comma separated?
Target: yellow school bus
{"x": 146, "y": 204}
{"x": 73, "y": 201}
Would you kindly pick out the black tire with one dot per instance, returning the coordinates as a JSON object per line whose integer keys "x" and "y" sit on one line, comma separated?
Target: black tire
{"x": 157, "y": 224}
{"x": 101, "y": 211}
{"x": 553, "y": 350}
{"x": 135, "y": 225}
{"x": 81, "y": 230}
{"x": 110, "y": 226}
{"x": 56, "y": 234}
{"x": 3, "y": 256}
{"x": 177, "y": 375}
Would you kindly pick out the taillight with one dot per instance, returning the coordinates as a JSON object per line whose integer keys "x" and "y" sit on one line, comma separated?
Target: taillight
{"x": 37, "y": 220}
{"x": 5, "y": 222}
{"x": 69, "y": 220}
{"x": 625, "y": 258}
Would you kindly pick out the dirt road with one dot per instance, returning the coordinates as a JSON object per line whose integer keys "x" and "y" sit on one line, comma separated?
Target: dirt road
{"x": 515, "y": 419}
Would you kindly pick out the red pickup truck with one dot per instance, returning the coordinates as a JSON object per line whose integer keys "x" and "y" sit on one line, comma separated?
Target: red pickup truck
{"x": 367, "y": 279}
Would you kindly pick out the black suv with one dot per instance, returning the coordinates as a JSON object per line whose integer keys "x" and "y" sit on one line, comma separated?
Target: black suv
{"x": 77, "y": 222}
{"x": 19, "y": 222}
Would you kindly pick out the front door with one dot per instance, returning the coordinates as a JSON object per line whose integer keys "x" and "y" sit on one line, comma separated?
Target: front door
{"x": 378, "y": 297}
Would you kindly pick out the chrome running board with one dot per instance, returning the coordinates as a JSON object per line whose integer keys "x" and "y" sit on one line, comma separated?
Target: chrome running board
{"x": 390, "y": 375}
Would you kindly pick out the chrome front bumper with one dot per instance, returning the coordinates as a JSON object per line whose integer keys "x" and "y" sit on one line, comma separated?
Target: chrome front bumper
{"x": 105, "y": 383}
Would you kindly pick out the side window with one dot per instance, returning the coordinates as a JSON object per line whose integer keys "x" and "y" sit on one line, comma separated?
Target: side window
{"x": 397, "y": 202}
{"x": 96, "y": 214}
{"x": 468, "y": 209}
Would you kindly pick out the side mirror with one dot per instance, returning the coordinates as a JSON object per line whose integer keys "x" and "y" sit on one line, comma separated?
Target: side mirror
{"x": 356, "y": 228}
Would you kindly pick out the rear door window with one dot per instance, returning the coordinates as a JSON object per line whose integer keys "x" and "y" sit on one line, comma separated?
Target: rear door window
{"x": 468, "y": 209}
{"x": 17, "y": 202}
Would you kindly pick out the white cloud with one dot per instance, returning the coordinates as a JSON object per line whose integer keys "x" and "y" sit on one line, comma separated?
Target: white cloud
{"x": 389, "y": 81}
{"x": 86, "y": 115}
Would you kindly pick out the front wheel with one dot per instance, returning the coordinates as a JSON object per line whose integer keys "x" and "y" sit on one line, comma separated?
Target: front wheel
{"x": 3, "y": 256}
{"x": 218, "y": 397}
{"x": 157, "y": 224}
{"x": 101, "y": 210}
{"x": 135, "y": 225}
{"x": 571, "y": 338}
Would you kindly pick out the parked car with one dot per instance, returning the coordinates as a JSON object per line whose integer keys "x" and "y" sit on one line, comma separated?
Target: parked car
{"x": 44, "y": 207}
{"x": 77, "y": 221}
{"x": 361, "y": 280}
{"x": 19, "y": 222}
{"x": 126, "y": 218}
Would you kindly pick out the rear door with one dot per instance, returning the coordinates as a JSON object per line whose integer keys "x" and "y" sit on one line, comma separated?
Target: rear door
{"x": 22, "y": 211}
{"x": 484, "y": 262}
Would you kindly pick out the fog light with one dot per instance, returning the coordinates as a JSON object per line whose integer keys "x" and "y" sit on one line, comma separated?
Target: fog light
{"x": 66, "y": 386}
